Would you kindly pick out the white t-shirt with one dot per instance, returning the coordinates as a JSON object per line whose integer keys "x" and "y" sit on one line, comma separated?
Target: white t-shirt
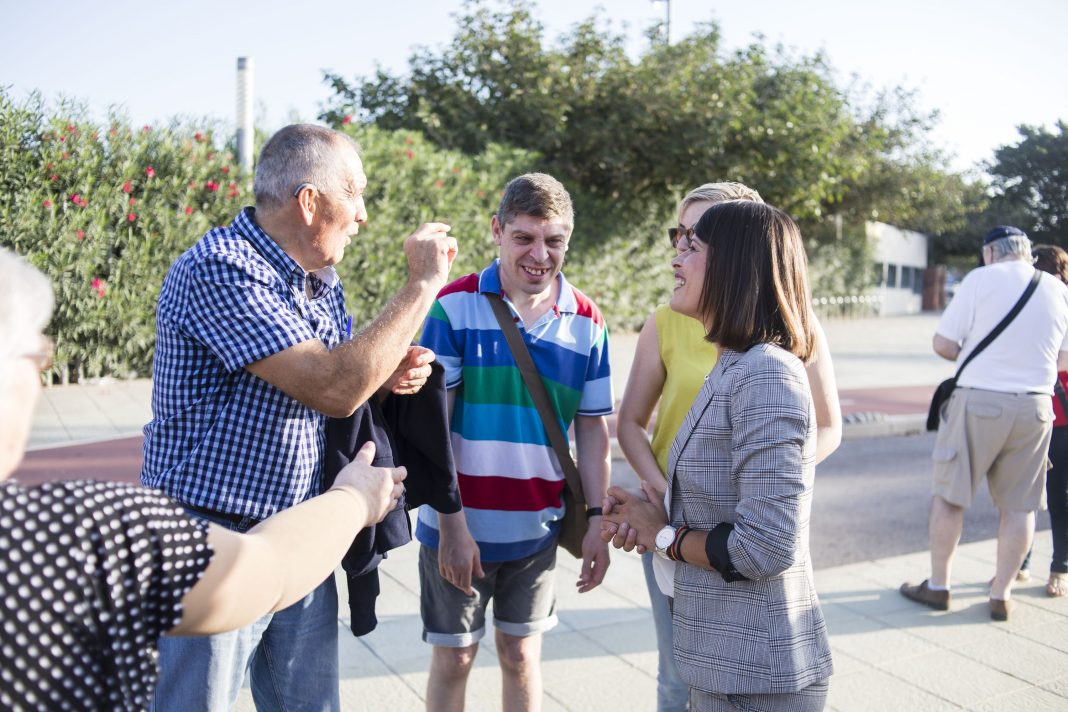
{"x": 1023, "y": 358}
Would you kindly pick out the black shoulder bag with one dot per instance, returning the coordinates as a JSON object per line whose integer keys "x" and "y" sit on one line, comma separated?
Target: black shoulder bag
{"x": 946, "y": 387}
{"x": 574, "y": 525}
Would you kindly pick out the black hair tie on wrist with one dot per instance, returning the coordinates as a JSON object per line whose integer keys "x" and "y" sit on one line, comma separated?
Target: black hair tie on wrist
{"x": 594, "y": 512}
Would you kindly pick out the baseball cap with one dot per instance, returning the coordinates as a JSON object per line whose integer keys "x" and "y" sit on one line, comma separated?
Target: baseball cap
{"x": 1003, "y": 231}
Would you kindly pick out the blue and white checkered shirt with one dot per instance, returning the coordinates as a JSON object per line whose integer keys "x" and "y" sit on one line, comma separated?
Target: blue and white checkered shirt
{"x": 221, "y": 438}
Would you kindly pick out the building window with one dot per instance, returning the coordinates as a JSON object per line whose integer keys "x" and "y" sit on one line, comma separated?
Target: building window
{"x": 906, "y": 277}
{"x": 891, "y": 275}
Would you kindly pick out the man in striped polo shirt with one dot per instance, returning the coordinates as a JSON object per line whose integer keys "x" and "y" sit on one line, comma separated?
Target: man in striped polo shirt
{"x": 502, "y": 545}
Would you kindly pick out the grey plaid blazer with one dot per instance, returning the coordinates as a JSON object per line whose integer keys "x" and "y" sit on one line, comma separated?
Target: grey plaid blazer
{"x": 745, "y": 455}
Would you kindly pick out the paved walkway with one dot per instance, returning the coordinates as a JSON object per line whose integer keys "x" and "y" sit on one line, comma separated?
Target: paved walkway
{"x": 890, "y": 654}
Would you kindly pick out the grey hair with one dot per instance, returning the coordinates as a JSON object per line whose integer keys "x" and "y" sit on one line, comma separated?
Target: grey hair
{"x": 1015, "y": 247}
{"x": 301, "y": 153}
{"x": 25, "y": 307}
{"x": 719, "y": 193}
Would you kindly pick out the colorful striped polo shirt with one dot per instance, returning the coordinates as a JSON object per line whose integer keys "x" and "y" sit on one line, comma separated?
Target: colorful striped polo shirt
{"x": 510, "y": 480}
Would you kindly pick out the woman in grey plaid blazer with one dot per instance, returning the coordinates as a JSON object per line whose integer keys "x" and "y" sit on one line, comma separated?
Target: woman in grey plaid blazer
{"x": 748, "y": 630}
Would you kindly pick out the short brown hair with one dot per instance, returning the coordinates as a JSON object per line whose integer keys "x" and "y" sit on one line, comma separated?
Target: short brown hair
{"x": 756, "y": 279}
{"x": 538, "y": 195}
{"x": 1052, "y": 259}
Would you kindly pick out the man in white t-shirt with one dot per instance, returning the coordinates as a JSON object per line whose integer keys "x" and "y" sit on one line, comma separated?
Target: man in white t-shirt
{"x": 998, "y": 422}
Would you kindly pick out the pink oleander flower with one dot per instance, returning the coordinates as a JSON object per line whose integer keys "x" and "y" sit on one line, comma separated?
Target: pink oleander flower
{"x": 100, "y": 286}
{"x": 53, "y": 177}
{"x": 198, "y": 137}
{"x": 131, "y": 217}
{"x": 439, "y": 183}
{"x": 347, "y": 120}
{"x": 127, "y": 187}
{"x": 133, "y": 201}
{"x": 188, "y": 210}
{"x": 226, "y": 169}
{"x": 212, "y": 186}
{"x": 70, "y": 128}
{"x": 80, "y": 234}
{"x": 146, "y": 128}
{"x": 409, "y": 154}
{"x": 150, "y": 171}
{"x": 47, "y": 203}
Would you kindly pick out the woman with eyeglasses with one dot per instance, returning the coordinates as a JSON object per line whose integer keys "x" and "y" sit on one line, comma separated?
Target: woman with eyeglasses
{"x": 748, "y": 631}
{"x": 670, "y": 364}
{"x": 93, "y": 573}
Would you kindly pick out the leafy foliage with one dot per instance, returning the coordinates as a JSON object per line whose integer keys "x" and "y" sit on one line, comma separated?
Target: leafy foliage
{"x": 630, "y": 136}
{"x": 1031, "y": 180}
{"x": 1029, "y": 190}
{"x": 103, "y": 210}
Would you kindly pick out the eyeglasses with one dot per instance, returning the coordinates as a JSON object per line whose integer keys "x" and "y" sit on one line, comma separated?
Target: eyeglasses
{"x": 302, "y": 186}
{"x": 677, "y": 235}
{"x": 43, "y": 358}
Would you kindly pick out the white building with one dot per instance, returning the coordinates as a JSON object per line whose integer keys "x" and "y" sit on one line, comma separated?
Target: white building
{"x": 900, "y": 261}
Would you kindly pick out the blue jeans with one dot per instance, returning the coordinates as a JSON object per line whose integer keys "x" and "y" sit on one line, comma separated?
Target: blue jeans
{"x": 672, "y": 694}
{"x": 291, "y": 655}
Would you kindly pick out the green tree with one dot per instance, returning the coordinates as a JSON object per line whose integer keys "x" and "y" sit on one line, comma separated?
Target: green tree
{"x": 1031, "y": 183}
{"x": 630, "y": 133}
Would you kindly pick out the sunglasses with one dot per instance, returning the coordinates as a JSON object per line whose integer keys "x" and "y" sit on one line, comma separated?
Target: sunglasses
{"x": 677, "y": 235}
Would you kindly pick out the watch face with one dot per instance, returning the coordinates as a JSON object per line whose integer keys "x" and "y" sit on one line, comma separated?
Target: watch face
{"x": 664, "y": 537}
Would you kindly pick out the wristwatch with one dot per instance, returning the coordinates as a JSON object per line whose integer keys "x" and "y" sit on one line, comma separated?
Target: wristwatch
{"x": 664, "y": 538}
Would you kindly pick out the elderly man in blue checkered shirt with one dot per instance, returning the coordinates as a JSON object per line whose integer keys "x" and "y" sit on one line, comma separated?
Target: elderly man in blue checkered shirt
{"x": 253, "y": 351}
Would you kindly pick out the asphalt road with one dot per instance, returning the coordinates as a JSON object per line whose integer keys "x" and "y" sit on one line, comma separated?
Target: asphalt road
{"x": 871, "y": 497}
{"x": 871, "y": 501}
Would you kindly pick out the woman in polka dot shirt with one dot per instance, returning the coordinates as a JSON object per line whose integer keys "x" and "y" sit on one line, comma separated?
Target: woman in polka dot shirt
{"x": 92, "y": 573}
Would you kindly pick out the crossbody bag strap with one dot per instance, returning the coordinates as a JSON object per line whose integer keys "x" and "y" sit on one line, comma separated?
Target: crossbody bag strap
{"x": 538, "y": 394}
{"x": 1004, "y": 322}
{"x": 1058, "y": 390}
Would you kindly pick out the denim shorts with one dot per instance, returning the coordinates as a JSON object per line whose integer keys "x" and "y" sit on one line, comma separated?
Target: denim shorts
{"x": 523, "y": 594}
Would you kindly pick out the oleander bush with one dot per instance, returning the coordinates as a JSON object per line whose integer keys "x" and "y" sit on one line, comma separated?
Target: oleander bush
{"x": 103, "y": 209}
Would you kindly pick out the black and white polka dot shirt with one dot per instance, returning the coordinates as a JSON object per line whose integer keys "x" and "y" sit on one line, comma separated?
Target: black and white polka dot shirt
{"x": 91, "y": 574}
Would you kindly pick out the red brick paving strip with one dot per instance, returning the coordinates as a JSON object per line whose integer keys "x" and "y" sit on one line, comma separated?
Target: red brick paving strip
{"x": 114, "y": 460}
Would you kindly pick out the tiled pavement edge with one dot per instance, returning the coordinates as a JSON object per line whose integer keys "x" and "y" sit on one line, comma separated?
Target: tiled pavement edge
{"x": 890, "y": 653}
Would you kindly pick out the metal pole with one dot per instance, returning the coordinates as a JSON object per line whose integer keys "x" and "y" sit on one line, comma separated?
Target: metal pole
{"x": 245, "y": 93}
{"x": 667, "y": 19}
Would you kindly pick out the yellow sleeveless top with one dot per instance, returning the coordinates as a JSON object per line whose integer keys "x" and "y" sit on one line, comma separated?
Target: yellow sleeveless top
{"x": 687, "y": 358}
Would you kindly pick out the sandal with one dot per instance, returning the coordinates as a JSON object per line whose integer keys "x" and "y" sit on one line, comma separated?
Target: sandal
{"x": 1057, "y": 586}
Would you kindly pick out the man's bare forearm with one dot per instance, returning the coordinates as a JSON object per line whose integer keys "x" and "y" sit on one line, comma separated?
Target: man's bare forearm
{"x": 593, "y": 455}
{"x": 363, "y": 364}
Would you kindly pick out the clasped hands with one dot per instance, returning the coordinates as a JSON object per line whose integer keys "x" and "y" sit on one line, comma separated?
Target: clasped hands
{"x": 633, "y": 517}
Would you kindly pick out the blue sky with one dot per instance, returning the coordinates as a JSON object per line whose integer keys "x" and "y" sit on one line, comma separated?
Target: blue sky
{"x": 985, "y": 66}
